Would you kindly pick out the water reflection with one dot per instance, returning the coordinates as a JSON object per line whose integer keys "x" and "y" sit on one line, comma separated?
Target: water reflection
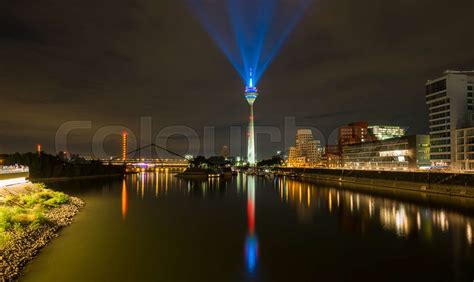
{"x": 155, "y": 226}
{"x": 469, "y": 233}
{"x": 124, "y": 199}
{"x": 251, "y": 242}
{"x": 357, "y": 212}
{"x": 156, "y": 182}
{"x": 159, "y": 182}
{"x": 158, "y": 185}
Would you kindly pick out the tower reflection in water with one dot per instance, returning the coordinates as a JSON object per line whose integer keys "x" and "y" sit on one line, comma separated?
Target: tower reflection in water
{"x": 251, "y": 242}
{"x": 124, "y": 198}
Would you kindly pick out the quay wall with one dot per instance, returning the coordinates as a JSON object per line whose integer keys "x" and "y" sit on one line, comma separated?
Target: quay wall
{"x": 7, "y": 176}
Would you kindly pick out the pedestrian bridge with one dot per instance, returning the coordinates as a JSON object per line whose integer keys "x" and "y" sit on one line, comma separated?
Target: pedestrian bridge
{"x": 134, "y": 163}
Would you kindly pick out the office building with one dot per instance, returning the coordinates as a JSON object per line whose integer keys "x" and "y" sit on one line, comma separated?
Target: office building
{"x": 353, "y": 133}
{"x": 464, "y": 149}
{"x": 407, "y": 152}
{"x": 450, "y": 103}
{"x": 306, "y": 151}
{"x": 331, "y": 156}
{"x": 383, "y": 132}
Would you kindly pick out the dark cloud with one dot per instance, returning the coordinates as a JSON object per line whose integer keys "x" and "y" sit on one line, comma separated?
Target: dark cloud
{"x": 13, "y": 29}
{"x": 112, "y": 62}
{"x": 331, "y": 114}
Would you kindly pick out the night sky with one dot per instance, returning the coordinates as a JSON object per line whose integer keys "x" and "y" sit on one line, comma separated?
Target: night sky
{"x": 112, "y": 62}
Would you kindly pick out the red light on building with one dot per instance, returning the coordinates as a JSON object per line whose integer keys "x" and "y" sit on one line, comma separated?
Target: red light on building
{"x": 38, "y": 148}
{"x": 354, "y": 133}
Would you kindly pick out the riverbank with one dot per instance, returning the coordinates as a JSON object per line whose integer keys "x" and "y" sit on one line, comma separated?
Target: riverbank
{"x": 31, "y": 216}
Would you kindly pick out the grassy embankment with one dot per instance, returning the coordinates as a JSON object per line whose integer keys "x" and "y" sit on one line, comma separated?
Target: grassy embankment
{"x": 26, "y": 210}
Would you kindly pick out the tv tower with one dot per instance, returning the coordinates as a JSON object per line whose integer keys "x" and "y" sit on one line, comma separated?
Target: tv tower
{"x": 250, "y": 95}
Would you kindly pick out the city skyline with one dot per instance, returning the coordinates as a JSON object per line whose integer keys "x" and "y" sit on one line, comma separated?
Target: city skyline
{"x": 323, "y": 76}
{"x": 133, "y": 147}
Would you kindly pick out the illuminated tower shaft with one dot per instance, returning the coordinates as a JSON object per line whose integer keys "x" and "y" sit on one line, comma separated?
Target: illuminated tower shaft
{"x": 251, "y": 139}
{"x": 124, "y": 145}
{"x": 251, "y": 95}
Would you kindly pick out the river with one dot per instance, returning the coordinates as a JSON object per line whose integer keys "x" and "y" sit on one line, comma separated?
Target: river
{"x": 157, "y": 227}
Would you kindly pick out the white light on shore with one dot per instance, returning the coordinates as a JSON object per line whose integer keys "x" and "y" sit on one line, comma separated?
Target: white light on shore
{"x": 12, "y": 181}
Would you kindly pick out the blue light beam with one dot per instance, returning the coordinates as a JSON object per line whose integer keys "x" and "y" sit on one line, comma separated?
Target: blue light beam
{"x": 249, "y": 32}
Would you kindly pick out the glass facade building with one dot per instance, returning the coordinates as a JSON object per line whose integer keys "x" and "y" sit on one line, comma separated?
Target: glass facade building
{"x": 383, "y": 132}
{"x": 407, "y": 152}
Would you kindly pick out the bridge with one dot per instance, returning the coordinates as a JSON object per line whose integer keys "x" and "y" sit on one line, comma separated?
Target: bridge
{"x": 134, "y": 164}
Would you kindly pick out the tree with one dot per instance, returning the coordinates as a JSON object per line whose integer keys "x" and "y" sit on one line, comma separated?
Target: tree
{"x": 198, "y": 161}
{"x": 274, "y": 161}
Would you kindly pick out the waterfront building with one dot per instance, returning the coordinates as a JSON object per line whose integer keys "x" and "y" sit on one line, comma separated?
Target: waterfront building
{"x": 353, "y": 133}
{"x": 383, "y": 132}
{"x": 295, "y": 158}
{"x": 407, "y": 152}
{"x": 464, "y": 149}
{"x": 331, "y": 156}
{"x": 306, "y": 151}
{"x": 450, "y": 103}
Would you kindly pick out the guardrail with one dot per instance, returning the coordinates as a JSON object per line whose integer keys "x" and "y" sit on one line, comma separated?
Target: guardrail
{"x": 8, "y": 170}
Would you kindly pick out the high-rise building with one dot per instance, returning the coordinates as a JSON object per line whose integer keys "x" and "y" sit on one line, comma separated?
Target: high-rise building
{"x": 383, "y": 132}
{"x": 306, "y": 150}
{"x": 450, "y": 103}
{"x": 464, "y": 149}
{"x": 251, "y": 95}
{"x": 353, "y": 133}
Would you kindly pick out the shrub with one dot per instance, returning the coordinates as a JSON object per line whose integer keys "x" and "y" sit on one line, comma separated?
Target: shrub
{"x": 43, "y": 199}
{"x": 12, "y": 218}
{"x": 27, "y": 211}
